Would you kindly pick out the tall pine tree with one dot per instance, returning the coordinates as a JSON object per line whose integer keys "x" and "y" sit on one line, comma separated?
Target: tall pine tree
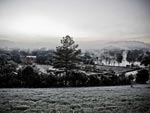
{"x": 67, "y": 56}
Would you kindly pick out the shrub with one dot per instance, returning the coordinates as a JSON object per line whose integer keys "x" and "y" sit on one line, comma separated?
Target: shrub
{"x": 142, "y": 76}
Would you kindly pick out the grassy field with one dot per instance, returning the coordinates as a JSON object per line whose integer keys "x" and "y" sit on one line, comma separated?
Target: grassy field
{"x": 115, "y": 99}
{"x": 117, "y": 69}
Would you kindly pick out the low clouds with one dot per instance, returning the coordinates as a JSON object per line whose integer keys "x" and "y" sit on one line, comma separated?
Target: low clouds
{"x": 84, "y": 19}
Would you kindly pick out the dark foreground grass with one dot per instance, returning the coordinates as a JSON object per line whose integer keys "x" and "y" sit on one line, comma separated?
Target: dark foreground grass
{"x": 115, "y": 99}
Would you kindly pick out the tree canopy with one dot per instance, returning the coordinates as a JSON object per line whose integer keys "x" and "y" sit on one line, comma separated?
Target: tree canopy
{"x": 67, "y": 55}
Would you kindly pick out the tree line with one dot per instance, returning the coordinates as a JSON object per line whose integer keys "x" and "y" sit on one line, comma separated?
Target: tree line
{"x": 67, "y": 58}
{"x": 29, "y": 77}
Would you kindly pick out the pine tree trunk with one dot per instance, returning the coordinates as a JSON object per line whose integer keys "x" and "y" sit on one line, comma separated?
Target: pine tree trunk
{"x": 66, "y": 70}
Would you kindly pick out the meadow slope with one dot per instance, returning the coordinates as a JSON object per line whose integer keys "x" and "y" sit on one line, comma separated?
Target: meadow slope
{"x": 114, "y": 99}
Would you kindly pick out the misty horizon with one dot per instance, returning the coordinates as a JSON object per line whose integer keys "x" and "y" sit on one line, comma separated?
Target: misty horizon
{"x": 84, "y": 20}
{"x": 85, "y": 45}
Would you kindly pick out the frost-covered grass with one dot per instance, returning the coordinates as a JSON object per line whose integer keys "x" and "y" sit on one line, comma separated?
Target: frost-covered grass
{"x": 115, "y": 99}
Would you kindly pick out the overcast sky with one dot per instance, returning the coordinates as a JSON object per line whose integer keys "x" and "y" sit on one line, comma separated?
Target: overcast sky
{"x": 85, "y": 20}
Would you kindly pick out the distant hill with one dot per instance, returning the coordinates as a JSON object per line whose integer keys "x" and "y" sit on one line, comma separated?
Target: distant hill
{"x": 6, "y": 44}
{"x": 26, "y": 45}
{"x": 126, "y": 45}
{"x": 92, "y": 45}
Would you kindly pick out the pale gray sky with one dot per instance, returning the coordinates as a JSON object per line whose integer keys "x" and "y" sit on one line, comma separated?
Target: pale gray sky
{"x": 85, "y": 20}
